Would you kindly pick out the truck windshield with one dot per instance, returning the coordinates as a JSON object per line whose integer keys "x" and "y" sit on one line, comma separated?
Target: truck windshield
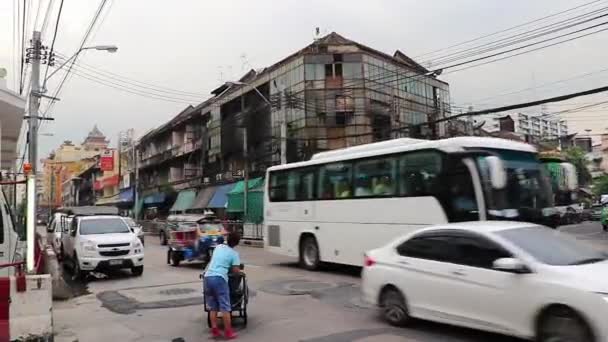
{"x": 103, "y": 226}
{"x": 528, "y": 189}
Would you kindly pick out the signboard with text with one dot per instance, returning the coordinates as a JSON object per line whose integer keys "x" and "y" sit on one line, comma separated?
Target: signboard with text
{"x": 106, "y": 162}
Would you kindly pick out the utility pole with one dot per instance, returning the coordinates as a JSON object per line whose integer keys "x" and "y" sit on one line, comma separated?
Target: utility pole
{"x": 283, "y": 129}
{"x": 136, "y": 185}
{"x": 119, "y": 149}
{"x": 245, "y": 173}
{"x": 34, "y": 57}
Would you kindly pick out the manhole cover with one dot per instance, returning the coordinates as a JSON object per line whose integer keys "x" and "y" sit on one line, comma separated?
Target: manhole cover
{"x": 176, "y": 292}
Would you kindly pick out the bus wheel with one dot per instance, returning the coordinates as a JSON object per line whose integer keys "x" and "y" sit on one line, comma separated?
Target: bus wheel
{"x": 309, "y": 253}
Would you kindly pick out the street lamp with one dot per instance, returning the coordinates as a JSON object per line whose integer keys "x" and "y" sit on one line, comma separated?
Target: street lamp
{"x": 108, "y": 48}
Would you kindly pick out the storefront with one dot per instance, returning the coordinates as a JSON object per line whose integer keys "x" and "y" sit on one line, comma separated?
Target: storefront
{"x": 255, "y": 201}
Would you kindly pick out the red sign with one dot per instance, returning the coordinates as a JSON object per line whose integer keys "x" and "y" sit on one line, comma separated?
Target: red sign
{"x": 98, "y": 185}
{"x": 106, "y": 162}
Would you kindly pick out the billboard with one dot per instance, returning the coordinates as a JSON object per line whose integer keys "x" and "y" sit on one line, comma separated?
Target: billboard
{"x": 106, "y": 162}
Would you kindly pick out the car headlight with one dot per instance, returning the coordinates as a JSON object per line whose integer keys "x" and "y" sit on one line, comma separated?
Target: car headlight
{"x": 88, "y": 247}
{"x": 136, "y": 244}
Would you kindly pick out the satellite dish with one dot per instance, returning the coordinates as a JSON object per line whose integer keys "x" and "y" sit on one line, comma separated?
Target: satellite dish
{"x": 2, "y": 72}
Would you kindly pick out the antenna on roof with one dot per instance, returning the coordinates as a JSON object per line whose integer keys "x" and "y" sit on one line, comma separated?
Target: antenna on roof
{"x": 317, "y": 33}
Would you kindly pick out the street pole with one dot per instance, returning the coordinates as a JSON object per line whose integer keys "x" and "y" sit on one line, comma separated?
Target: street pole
{"x": 283, "y": 130}
{"x": 136, "y": 185}
{"x": 119, "y": 149}
{"x": 34, "y": 106}
{"x": 245, "y": 173}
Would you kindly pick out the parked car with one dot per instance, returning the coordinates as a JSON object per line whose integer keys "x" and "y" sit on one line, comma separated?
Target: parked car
{"x": 96, "y": 241}
{"x": 596, "y": 212}
{"x": 174, "y": 222}
{"x": 137, "y": 228}
{"x": 55, "y": 230}
{"x": 512, "y": 278}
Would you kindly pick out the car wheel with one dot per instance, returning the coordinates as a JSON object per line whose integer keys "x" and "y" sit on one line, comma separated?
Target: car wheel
{"x": 563, "y": 324}
{"x": 309, "y": 253}
{"x": 394, "y": 307}
{"x": 137, "y": 270}
{"x": 163, "y": 238}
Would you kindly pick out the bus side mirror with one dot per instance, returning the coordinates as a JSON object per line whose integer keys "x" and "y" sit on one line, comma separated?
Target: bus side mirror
{"x": 498, "y": 175}
{"x": 570, "y": 176}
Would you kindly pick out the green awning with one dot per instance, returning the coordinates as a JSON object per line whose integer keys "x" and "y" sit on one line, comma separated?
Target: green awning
{"x": 253, "y": 183}
{"x": 255, "y": 200}
{"x": 184, "y": 201}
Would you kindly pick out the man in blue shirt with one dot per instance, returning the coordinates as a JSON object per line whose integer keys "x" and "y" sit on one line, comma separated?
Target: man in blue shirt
{"x": 217, "y": 292}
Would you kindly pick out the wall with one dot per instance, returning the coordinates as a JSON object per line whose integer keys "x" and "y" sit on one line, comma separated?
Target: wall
{"x": 31, "y": 311}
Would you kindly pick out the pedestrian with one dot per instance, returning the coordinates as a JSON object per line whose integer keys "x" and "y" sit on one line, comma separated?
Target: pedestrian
{"x": 217, "y": 292}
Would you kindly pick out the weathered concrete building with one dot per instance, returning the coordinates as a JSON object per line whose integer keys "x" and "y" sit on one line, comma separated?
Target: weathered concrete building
{"x": 331, "y": 94}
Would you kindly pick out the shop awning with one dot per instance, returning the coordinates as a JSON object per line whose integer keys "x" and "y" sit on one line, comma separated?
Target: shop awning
{"x": 184, "y": 201}
{"x": 235, "y": 196}
{"x": 108, "y": 200}
{"x": 156, "y": 198}
{"x": 203, "y": 198}
{"x": 126, "y": 195}
{"x": 220, "y": 199}
{"x": 12, "y": 109}
{"x": 253, "y": 183}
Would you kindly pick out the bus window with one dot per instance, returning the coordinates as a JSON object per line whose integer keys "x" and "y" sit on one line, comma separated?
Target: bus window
{"x": 419, "y": 173}
{"x": 335, "y": 181}
{"x": 278, "y": 186}
{"x": 461, "y": 194}
{"x": 375, "y": 177}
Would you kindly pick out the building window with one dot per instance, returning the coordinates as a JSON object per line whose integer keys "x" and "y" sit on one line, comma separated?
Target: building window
{"x": 329, "y": 70}
{"x": 338, "y": 70}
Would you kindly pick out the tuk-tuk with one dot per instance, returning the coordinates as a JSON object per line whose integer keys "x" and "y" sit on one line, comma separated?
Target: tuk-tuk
{"x": 196, "y": 242}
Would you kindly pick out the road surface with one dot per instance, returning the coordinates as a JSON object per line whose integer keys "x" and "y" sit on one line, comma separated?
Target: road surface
{"x": 287, "y": 304}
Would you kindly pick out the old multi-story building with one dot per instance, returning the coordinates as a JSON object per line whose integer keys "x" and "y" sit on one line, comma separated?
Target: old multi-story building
{"x": 331, "y": 94}
{"x": 534, "y": 127}
{"x": 67, "y": 161}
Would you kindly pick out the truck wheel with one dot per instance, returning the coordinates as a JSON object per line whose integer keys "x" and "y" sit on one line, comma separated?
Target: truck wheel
{"x": 137, "y": 270}
{"x": 309, "y": 253}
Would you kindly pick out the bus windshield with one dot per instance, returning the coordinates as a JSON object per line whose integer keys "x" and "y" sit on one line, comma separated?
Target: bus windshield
{"x": 528, "y": 190}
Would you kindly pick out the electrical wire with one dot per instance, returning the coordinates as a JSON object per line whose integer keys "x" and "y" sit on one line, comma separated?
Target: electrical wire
{"x": 519, "y": 38}
{"x": 509, "y": 29}
{"x": 132, "y": 81}
{"x": 52, "y": 44}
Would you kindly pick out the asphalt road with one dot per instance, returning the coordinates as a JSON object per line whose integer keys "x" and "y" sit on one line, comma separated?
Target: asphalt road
{"x": 286, "y": 304}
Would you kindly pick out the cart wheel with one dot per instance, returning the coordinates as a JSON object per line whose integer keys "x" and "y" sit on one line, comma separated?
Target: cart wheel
{"x": 209, "y": 319}
{"x": 244, "y": 315}
{"x": 175, "y": 259}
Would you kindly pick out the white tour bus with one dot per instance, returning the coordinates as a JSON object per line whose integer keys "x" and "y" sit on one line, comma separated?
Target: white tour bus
{"x": 341, "y": 203}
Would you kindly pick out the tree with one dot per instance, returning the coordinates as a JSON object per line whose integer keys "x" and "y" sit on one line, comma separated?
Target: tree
{"x": 600, "y": 185}
{"x": 577, "y": 157}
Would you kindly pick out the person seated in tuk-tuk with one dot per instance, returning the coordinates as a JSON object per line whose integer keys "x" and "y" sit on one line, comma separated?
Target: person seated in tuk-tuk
{"x": 210, "y": 230}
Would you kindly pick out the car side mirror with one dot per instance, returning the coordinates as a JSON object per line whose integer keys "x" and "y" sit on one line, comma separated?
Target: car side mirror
{"x": 498, "y": 175}
{"x": 512, "y": 265}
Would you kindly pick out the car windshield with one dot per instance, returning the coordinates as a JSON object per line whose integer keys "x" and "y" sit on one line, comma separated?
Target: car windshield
{"x": 130, "y": 222}
{"x": 103, "y": 226}
{"x": 552, "y": 247}
{"x": 528, "y": 188}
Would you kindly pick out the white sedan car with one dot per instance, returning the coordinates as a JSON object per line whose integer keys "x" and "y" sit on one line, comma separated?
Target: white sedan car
{"x": 512, "y": 278}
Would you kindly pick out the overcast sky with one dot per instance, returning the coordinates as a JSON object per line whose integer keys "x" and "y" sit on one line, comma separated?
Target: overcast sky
{"x": 191, "y": 45}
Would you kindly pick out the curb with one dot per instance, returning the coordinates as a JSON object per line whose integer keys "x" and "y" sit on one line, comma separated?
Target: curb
{"x": 253, "y": 243}
{"x": 61, "y": 289}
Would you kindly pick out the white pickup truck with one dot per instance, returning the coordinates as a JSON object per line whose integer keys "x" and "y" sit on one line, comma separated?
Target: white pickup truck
{"x": 101, "y": 242}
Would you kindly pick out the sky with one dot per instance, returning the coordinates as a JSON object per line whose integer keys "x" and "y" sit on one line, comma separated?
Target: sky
{"x": 192, "y": 46}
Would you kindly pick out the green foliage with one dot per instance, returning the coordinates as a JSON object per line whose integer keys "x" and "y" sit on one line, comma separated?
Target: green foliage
{"x": 600, "y": 185}
{"x": 576, "y": 156}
